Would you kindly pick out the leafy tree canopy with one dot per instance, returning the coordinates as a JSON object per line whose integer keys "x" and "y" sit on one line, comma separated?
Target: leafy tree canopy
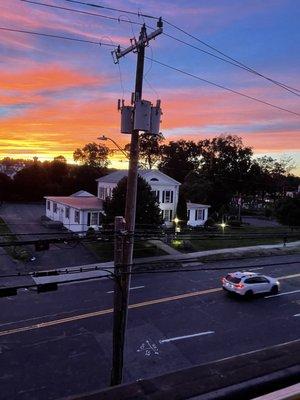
{"x": 287, "y": 211}
{"x": 147, "y": 212}
{"x": 179, "y": 158}
{"x": 93, "y": 154}
{"x": 150, "y": 149}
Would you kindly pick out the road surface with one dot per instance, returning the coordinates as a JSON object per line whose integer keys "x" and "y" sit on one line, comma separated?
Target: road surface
{"x": 59, "y": 343}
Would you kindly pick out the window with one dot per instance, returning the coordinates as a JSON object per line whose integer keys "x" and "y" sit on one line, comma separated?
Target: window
{"x": 104, "y": 192}
{"x": 101, "y": 194}
{"x": 48, "y": 205}
{"x": 199, "y": 213}
{"x": 67, "y": 212}
{"x": 77, "y": 217}
{"x": 167, "y": 196}
{"x": 167, "y": 215}
{"x": 188, "y": 214}
{"x": 233, "y": 279}
{"x": 55, "y": 207}
{"x": 93, "y": 218}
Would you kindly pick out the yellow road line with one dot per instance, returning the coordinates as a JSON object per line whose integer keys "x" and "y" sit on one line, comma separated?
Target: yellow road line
{"x": 110, "y": 310}
{"x": 103, "y": 312}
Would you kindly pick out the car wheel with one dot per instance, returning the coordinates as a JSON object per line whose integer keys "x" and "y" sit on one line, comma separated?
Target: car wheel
{"x": 248, "y": 294}
{"x": 274, "y": 290}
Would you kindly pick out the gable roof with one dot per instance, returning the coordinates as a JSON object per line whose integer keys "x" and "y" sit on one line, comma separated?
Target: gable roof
{"x": 82, "y": 193}
{"x": 80, "y": 203}
{"x": 115, "y": 177}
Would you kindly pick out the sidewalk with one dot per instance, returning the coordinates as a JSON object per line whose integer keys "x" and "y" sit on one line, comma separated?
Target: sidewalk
{"x": 88, "y": 271}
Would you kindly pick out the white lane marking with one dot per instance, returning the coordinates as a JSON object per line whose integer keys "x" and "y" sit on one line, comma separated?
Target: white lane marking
{"x": 132, "y": 288}
{"x": 186, "y": 337}
{"x": 288, "y": 276}
{"x": 255, "y": 269}
{"x": 297, "y": 315}
{"x": 137, "y": 287}
{"x": 282, "y": 294}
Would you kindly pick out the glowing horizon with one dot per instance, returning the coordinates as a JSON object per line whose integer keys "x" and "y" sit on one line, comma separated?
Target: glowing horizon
{"x": 56, "y": 96}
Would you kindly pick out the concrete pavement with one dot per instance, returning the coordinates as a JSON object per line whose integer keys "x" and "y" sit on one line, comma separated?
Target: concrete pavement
{"x": 88, "y": 270}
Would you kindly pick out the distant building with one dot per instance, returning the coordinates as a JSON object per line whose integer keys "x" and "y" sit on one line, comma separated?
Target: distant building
{"x": 82, "y": 210}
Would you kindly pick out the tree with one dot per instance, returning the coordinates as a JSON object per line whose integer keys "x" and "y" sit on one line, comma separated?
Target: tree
{"x": 287, "y": 211}
{"x": 225, "y": 159}
{"x": 150, "y": 149}
{"x": 92, "y": 154}
{"x": 274, "y": 175}
{"x": 30, "y": 182}
{"x": 5, "y": 187}
{"x": 179, "y": 158}
{"x": 181, "y": 211}
{"x": 147, "y": 209}
{"x": 84, "y": 178}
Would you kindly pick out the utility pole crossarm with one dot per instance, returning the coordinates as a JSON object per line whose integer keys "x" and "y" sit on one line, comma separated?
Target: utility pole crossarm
{"x": 141, "y": 42}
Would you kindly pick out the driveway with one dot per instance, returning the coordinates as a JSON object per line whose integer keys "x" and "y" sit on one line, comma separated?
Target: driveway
{"x": 26, "y": 218}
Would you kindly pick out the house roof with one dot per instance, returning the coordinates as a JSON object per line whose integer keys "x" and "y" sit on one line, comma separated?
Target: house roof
{"x": 80, "y": 203}
{"x": 115, "y": 177}
{"x": 81, "y": 193}
{"x": 196, "y": 205}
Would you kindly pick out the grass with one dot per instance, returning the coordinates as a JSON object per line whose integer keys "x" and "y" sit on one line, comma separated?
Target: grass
{"x": 233, "y": 237}
{"x": 104, "y": 251}
{"x": 16, "y": 252}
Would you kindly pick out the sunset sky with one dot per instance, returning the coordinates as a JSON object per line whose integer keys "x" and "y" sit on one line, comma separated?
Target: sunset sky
{"x": 57, "y": 95}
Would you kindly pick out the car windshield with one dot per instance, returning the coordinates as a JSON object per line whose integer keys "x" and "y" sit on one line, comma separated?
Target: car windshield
{"x": 233, "y": 279}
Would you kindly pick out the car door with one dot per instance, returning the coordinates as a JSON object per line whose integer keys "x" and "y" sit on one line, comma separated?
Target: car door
{"x": 262, "y": 284}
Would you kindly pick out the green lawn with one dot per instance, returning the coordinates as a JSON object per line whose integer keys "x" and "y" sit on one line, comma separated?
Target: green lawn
{"x": 233, "y": 237}
{"x": 104, "y": 251}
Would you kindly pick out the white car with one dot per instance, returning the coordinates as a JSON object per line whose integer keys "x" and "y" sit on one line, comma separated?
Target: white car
{"x": 248, "y": 283}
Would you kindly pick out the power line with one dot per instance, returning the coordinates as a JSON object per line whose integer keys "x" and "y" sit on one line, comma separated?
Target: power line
{"x": 50, "y": 286}
{"x": 56, "y": 36}
{"x": 223, "y": 87}
{"x": 81, "y": 12}
{"x": 233, "y": 61}
{"x": 236, "y": 64}
{"x": 157, "y": 62}
{"x": 151, "y": 264}
{"x": 231, "y": 58}
{"x": 138, "y": 14}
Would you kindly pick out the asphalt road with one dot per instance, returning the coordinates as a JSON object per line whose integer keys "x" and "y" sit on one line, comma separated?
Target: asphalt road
{"x": 58, "y": 344}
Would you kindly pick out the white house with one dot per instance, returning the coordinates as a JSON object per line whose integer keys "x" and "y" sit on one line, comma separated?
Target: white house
{"x": 166, "y": 190}
{"x": 197, "y": 214}
{"x": 82, "y": 210}
{"x": 77, "y": 212}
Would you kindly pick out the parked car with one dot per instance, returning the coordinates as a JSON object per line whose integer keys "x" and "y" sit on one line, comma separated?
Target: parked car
{"x": 248, "y": 283}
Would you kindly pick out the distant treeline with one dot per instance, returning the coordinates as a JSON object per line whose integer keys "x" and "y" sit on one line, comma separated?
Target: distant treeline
{"x": 54, "y": 178}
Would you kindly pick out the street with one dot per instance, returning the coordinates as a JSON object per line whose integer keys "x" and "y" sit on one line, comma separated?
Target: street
{"x": 59, "y": 343}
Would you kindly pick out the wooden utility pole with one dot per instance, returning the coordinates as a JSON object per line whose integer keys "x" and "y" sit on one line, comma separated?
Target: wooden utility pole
{"x": 123, "y": 266}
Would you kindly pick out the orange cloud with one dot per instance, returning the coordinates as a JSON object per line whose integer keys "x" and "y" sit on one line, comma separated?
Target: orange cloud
{"x": 43, "y": 77}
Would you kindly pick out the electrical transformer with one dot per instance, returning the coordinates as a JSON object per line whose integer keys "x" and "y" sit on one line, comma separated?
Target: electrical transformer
{"x": 142, "y": 115}
{"x": 126, "y": 119}
{"x": 155, "y": 119}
